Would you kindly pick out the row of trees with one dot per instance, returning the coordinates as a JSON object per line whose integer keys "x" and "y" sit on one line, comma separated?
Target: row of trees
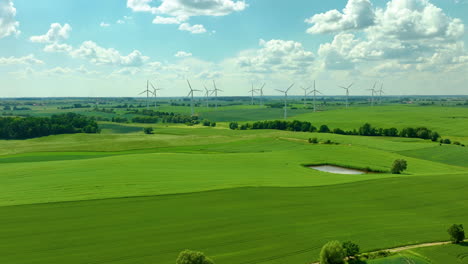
{"x": 365, "y": 130}
{"x": 31, "y": 127}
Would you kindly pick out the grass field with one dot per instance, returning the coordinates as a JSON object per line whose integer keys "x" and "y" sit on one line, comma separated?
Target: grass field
{"x": 243, "y": 197}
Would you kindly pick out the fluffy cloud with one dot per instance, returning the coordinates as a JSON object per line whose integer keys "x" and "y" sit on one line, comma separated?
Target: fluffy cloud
{"x": 26, "y": 60}
{"x": 277, "y": 55}
{"x": 405, "y": 33}
{"x": 183, "y": 54}
{"x": 55, "y": 47}
{"x": 195, "y": 29}
{"x": 169, "y": 20}
{"x": 8, "y": 24}
{"x": 102, "y": 56}
{"x": 56, "y": 33}
{"x": 103, "y": 24}
{"x": 357, "y": 14}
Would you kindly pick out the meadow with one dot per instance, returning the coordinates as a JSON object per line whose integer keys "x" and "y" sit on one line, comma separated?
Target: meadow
{"x": 242, "y": 197}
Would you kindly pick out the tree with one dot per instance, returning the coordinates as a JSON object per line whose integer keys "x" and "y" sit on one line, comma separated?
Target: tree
{"x": 148, "y": 130}
{"x": 350, "y": 248}
{"x": 193, "y": 257}
{"x": 457, "y": 233}
{"x": 233, "y": 125}
{"x": 332, "y": 253}
{"x": 399, "y": 165}
{"x": 324, "y": 129}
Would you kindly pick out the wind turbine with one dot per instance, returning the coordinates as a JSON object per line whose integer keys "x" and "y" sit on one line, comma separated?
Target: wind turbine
{"x": 252, "y": 91}
{"x": 215, "y": 92}
{"x": 207, "y": 94}
{"x": 315, "y": 91}
{"x": 190, "y": 94}
{"x": 147, "y": 91}
{"x": 305, "y": 94}
{"x": 381, "y": 91}
{"x": 261, "y": 93}
{"x": 373, "y": 92}
{"x": 347, "y": 93}
{"x": 285, "y": 100}
{"x": 155, "y": 94}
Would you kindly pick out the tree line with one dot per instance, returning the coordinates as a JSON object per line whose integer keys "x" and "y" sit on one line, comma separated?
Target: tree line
{"x": 32, "y": 127}
{"x": 365, "y": 130}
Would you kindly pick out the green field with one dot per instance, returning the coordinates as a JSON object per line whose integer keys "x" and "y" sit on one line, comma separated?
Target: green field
{"x": 242, "y": 197}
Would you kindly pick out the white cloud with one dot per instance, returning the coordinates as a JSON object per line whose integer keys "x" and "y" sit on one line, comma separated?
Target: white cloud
{"x": 102, "y": 56}
{"x": 140, "y": 5}
{"x": 357, "y": 14}
{"x": 195, "y": 29}
{"x": 56, "y": 33}
{"x": 277, "y": 55}
{"x": 183, "y": 54}
{"x": 8, "y": 24}
{"x": 26, "y": 60}
{"x": 169, "y": 20}
{"x": 103, "y": 24}
{"x": 55, "y": 47}
{"x": 120, "y": 21}
{"x": 58, "y": 71}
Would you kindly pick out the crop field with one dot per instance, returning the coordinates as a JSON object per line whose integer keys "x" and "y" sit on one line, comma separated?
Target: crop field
{"x": 240, "y": 196}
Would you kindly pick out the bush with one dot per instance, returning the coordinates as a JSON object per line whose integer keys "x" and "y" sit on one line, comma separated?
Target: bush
{"x": 213, "y": 124}
{"x": 193, "y": 257}
{"x": 233, "y": 125}
{"x": 148, "y": 130}
{"x": 457, "y": 233}
{"x": 351, "y": 249}
{"x": 457, "y": 143}
{"x": 324, "y": 129}
{"x": 332, "y": 253}
{"x": 399, "y": 166}
{"x": 313, "y": 140}
{"x": 447, "y": 141}
{"x": 206, "y": 123}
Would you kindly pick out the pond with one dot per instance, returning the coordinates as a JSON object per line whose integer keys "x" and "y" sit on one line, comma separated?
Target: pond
{"x": 337, "y": 169}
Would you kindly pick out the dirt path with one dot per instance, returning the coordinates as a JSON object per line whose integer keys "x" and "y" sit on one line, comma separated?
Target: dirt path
{"x": 398, "y": 249}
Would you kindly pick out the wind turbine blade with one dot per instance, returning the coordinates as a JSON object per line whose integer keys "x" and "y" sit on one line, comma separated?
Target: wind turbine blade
{"x": 263, "y": 86}
{"x": 280, "y": 91}
{"x": 190, "y": 86}
{"x": 289, "y": 87}
{"x": 142, "y": 92}
{"x": 346, "y": 88}
{"x": 190, "y": 93}
{"x": 350, "y": 85}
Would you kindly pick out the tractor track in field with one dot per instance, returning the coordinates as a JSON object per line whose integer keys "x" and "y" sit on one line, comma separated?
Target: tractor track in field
{"x": 403, "y": 248}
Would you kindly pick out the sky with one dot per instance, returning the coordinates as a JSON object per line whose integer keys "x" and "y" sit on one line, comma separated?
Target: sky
{"x": 110, "y": 48}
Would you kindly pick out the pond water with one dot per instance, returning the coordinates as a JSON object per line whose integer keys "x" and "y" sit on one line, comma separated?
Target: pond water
{"x": 337, "y": 170}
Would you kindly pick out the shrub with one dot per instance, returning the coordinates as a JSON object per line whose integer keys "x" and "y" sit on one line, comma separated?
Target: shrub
{"x": 213, "y": 124}
{"x": 332, "y": 253}
{"x": 457, "y": 143}
{"x": 313, "y": 140}
{"x": 351, "y": 249}
{"x": 324, "y": 129}
{"x": 399, "y": 165}
{"x": 233, "y": 125}
{"x": 447, "y": 141}
{"x": 148, "y": 130}
{"x": 457, "y": 233}
{"x": 206, "y": 123}
{"x": 193, "y": 257}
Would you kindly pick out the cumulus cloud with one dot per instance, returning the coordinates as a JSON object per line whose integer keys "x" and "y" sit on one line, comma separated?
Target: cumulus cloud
{"x": 169, "y": 20}
{"x": 56, "y": 33}
{"x": 26, "y": 60}
{"x": 103, "y": 24}
{"x": 102, "y": 56}
{"x": 55, "y": 47}
{"x": 357, "y": 14}
{"x": 277, "y": 55}
{"x": 195, "y": 29}
{"x": 8, "y": 24}
{"x": 183, "y": 54}
{"x": 405, "y": 32}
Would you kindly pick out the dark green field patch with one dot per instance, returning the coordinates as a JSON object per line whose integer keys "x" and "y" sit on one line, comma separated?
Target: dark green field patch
{"x": 235, "y": 226}
{"x": 452, "y": 155}
{"x": 119, "y": 129}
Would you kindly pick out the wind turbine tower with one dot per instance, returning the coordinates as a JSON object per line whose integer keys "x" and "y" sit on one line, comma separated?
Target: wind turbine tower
{"x": 373, "y": 91}
{"x": 305, "y": 94}
{"x": 155, "y": 94}
{"x": 261, "y": 93}
{"x": 215, "y": 92}
{"x": 190, "y": 94}
{"x": 315, "y": 91}
{"x": 207, "y": 95}
{"x": 286, "y": 100}
{"x": 147, "y": 91}
{"x": 381, "y": 91}
{"x": 252, "y": 91}
{"x": 347, "y": 93}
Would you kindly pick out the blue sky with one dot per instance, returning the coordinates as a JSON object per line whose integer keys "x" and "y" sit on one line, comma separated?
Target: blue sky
{"x": 110, "y": 48}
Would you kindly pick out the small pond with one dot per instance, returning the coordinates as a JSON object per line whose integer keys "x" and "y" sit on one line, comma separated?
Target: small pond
{"x": 337, "y": 169}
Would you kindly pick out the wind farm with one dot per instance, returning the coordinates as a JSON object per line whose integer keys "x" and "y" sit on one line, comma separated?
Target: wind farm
{"x": 233, "y": 132}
